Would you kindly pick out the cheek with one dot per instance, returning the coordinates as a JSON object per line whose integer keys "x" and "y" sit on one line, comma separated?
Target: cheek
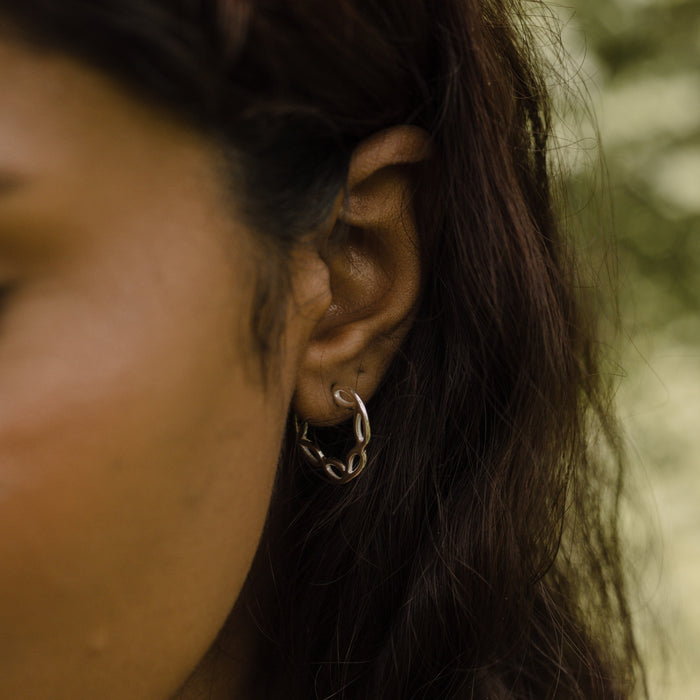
{"x": 136, "y": 463}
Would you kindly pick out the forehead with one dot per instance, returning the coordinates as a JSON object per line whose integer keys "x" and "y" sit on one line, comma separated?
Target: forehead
{"x": 50, "y": 104}
{"x": 78, "y": 146}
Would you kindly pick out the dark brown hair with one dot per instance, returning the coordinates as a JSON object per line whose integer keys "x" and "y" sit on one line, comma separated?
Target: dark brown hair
{"x": 478, "y": 556}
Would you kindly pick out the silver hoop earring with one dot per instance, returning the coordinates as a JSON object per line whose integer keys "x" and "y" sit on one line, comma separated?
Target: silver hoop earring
{"x": 335, "y": 470}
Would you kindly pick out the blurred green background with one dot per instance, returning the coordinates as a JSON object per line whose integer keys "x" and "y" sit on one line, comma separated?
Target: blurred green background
{"x": 640, "y": 62}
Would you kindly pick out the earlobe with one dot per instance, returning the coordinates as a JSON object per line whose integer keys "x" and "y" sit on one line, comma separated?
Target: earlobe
{"x": 374, "y": 277}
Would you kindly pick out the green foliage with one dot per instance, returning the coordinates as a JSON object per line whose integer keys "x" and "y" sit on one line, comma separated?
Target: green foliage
{"x": 640, "y": 60}
{"x": 645, "y": 60}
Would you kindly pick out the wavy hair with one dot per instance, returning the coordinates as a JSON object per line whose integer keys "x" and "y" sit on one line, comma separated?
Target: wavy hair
{"x": 478, "y": 556}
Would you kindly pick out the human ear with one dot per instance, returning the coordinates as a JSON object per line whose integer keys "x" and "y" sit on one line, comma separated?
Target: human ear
{"x": 374, "y": 276}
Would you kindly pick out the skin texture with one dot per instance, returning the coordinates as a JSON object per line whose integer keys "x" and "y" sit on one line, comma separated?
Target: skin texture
{"x": 138, "y": 444}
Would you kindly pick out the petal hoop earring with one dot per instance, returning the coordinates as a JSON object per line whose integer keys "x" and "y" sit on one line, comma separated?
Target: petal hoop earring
{"x": 335, "y": 470}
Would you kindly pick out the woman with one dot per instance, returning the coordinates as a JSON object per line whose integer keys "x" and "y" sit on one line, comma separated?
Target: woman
{"x": 298, "y": 397}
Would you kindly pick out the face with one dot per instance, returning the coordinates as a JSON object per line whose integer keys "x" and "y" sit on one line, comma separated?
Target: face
{"x": 137, "y": 444}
